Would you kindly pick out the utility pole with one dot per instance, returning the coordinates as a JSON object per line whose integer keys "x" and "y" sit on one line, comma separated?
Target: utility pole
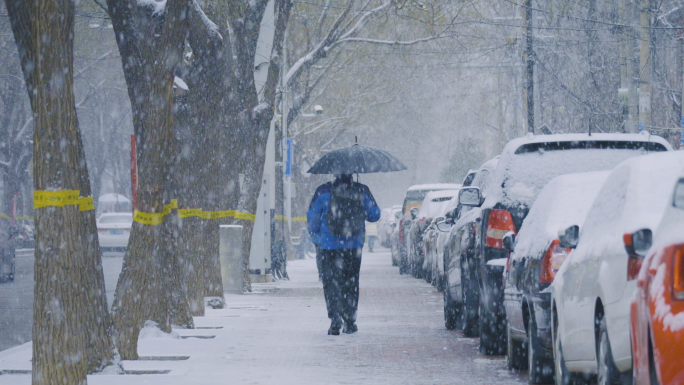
{"x": 628, "y": 90}
{"x": 645, "y": 66}
{"x": 528, "y": 59}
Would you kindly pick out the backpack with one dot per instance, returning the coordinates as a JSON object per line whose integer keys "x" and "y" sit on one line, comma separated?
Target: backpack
{"x": 346, "y": 215}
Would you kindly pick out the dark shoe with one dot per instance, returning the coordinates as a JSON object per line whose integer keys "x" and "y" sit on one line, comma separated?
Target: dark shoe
{"x": 350, "y": 328}
{"x": 335, "y": 325}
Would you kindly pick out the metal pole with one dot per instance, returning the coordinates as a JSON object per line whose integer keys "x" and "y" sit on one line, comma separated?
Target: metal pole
{"x": 528, "y": 59}
{"x": 645, "y": 65}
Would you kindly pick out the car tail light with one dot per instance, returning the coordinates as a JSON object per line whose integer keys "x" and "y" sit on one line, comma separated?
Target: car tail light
{"x": 101, "y": 230}
{"x": 500, "y": 222}
{"x": 552, "y": 262}
{"x": 127, "y": 229}
{"x": 678, "y": 273}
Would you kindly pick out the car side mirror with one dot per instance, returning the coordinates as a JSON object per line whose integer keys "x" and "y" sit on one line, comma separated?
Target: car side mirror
{"x": 508, "y": 241}
{"x": 569, "y": 237}
{"x": 414, "y": 213}
{"x": 638, "y": 243}
{"x": 470, "y": 196}
{"x": 398, "y": 216}
{"x": 678, "y": 199}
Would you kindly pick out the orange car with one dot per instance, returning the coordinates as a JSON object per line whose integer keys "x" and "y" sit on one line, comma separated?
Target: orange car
{"x": 657, "y": 310}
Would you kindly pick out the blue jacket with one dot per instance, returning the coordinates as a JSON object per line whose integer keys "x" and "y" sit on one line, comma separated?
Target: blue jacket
{"x": 318, "y": 227}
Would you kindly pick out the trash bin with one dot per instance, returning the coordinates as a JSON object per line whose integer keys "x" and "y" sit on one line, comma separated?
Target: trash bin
{"x": 230, "y": 253}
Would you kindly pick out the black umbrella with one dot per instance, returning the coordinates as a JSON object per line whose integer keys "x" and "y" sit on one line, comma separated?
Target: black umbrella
{"x": 356, "y": 159}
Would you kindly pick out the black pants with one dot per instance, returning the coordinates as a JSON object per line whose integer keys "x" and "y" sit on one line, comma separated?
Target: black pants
{"x": 341, "y": 282}
{"x": 319, "y": 261}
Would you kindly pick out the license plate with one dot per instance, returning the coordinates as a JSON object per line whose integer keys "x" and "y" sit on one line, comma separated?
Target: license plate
{"x": 116, "y": 232}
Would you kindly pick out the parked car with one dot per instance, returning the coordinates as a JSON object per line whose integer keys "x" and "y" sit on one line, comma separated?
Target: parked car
{"x": 441, "y": 236}
{"x": 461, "y": 294}
{"x": 657, "y": 308}
{"x": 533, "y": 264}
{"x": 387, "y": 221}
{"x": 7, "y": 254}
{"x": 468, "y": 180}
{"x": 525, "y": 166}
{"x": 421, "y": 219}
{"x": 113, "y": 230}
{"x": 394, "y": 240}
{"x": 592, "y": 292}
{"x": 431, "y": 233}
{"x": 413, "y": 199}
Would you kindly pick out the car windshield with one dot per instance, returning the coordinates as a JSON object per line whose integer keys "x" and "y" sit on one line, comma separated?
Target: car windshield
{"x": 523, "y": 175}
{"x": 124, "y": 218}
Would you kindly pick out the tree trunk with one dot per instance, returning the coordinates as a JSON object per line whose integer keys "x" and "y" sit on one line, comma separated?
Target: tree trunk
{"x": 144, "y": 288}
{"x": 68, "y": 321}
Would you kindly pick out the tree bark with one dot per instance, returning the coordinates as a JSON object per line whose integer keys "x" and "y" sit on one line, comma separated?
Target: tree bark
{"x": 151, "y": 47}
{"x": 71, "y": 326}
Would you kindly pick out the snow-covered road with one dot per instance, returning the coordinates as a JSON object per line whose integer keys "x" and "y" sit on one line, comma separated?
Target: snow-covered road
{"x": 278, "y": 335}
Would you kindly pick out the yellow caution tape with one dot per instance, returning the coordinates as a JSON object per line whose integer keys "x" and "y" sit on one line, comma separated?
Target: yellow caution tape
{"x": 293, "y": 219}
{"x": 247, "y": 216}
{"x": 204, "y": 214}
{"x": 62, "y": 198}
{"x": 18, "y": 218}
{"x": 154, "y": 219}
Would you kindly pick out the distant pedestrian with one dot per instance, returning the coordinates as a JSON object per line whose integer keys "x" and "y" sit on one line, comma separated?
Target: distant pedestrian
{"x": 338, "y": 217}
{"x": 371, "y": 234}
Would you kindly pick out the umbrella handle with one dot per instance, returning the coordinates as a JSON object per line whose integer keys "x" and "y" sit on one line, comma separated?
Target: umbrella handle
{"x": 356, "y": 140}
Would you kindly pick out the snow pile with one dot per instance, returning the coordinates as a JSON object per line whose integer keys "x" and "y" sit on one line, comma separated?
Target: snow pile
{"x": 435, "y": 186}
{"x": 663, "y": 311}
{"x": 151, "y": 330}
{"x": 633, "y": 197}
{"x": 519, "y": 178}
{"x": 564, "y": 202}
{"x": 156, "y": 6}
{"x": 178, "y": 82}
{"x": 435, "y": 201}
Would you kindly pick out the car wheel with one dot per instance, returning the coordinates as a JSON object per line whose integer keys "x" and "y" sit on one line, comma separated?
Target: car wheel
{"x": 652, "y": 371}
{"x": 562, "y": 376}
{"x": 539, "y": 365}
{"x": 491, "y": 336}
{"x": 470, "y": 305}
{"x": 516, "y": 352}
{"x": 452, "y": 312}
{"x": 607, "y": 371}
{"x": 403, "y": 263}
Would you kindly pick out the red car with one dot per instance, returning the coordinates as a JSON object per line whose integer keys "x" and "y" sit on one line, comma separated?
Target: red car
{"x": 657, "y": 309}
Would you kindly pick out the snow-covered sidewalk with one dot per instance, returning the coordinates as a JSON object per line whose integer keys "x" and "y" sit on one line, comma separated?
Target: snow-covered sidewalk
{"x": 278, "y": 335}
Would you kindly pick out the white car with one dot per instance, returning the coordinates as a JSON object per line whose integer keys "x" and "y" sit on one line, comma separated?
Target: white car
{"x": 431, "y": 208}
{"x": 441, "y": 236}
{"x": 592, "y": 291}
{"x": 113, "y": 230}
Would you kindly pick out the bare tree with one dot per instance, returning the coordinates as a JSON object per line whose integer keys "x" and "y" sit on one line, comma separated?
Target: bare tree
{"x": 150, "y": 38}
{"x": 70, "y": 307}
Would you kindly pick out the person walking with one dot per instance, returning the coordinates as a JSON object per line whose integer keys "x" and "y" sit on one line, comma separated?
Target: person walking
{"x": 316, "y": 237}
{"x": 337, "y": 216}
{"x": 371, "y": 234}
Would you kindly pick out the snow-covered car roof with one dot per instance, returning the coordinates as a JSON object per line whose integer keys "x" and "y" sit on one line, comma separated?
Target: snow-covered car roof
{"x": 435, "y": 201}
{"x": 434, "y": 186}
{"x": 564, "y": 201}
{"x": 115, "y": 218}
{"x": 527, "y": 164}
{"x": 634, "y": 197}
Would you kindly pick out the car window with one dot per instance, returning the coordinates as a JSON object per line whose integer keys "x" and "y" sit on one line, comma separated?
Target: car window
{"x": 116, "y": 219}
